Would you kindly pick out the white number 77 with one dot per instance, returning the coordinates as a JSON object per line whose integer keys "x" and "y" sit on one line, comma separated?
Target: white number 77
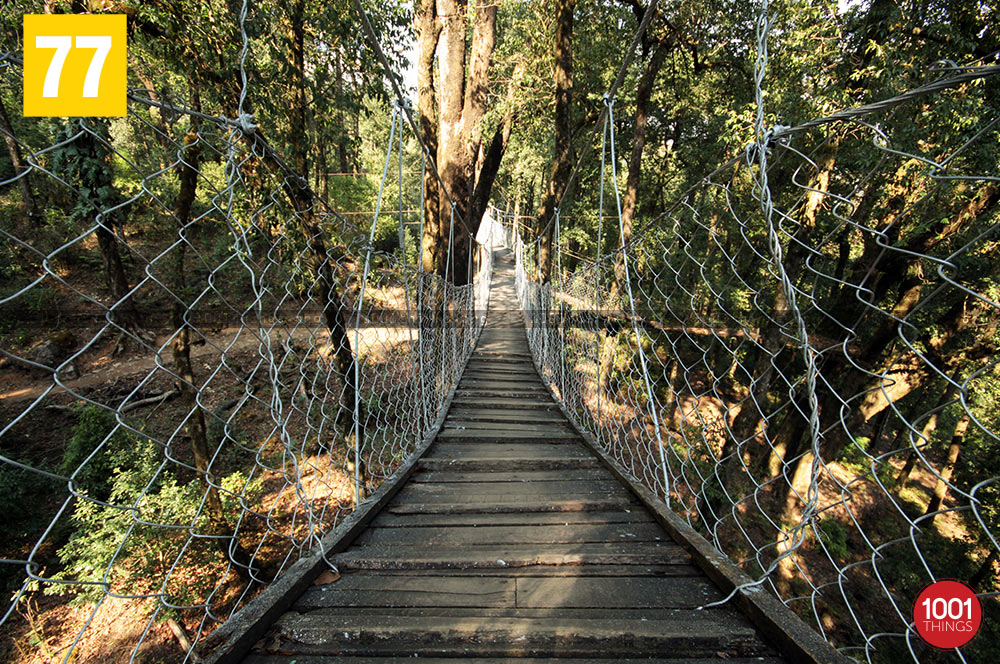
{"x": 62, "y": 45}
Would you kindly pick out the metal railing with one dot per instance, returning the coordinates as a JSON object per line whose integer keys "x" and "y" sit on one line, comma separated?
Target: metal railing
{"x": 800, "y": 358}
{"x": 205, "y": 368}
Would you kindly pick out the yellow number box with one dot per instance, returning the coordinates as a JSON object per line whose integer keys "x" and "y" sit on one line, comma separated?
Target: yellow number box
{"x": 75, "y": 65}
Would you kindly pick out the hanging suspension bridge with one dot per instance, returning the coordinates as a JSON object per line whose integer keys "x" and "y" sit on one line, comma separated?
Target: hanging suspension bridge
{"x": 701, "y": 444}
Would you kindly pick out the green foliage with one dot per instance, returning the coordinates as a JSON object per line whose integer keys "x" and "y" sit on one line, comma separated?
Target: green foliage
{"x": 855, "y": 452}
{"x": 121, "y": 548}
{"x": 833, "y": 534}
{"x": 98, "y": 448}
{"x": 84, "y": 159}
{"x": 111, "y": 547}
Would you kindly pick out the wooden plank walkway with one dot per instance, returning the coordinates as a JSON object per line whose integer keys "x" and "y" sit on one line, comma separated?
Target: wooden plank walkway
{"x": 511, "y": 540}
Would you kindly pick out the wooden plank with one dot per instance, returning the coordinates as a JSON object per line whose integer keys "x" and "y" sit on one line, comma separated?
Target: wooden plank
{"x": 537, "y": 489}
{"x": 503, "y": 351}
{"x": 344, "y": 634}
{"x": 501, "y": 416}
{"x": 497, "y": 416}
{"x": 459, "y": 612}
{"x": 506, "y": 464}
{"x": 546, "y": 409}
{"x": 374, "y": 557}
{"x": 530, "y": 385}
{"x": 569, "y": 571}
{"x": 497, "y": 354}
{"x": 500, "y": 504}
{"x": 492, "y": 393}
{"x": 523, "y": 367}
{"x": 512, "y": 378}
{"x": 520, "y": 534}
{"x": 559, "y": 436}
{"x": 389, "y": 520}
{"x": 538, "y": 429}
{"x": 566, "y": 475}
{"x": 393, "y": 590}
{"x": 497, "y": 451}
{"x": 616, "y": 592}
{"x": 489, "y": 431}
{"x": 789, "y": 633}
{"x": 505, "y": 403}
{"x": 356, "y": 590}
{"x": 521, "y": 385}
{"x": 502, "y": 371}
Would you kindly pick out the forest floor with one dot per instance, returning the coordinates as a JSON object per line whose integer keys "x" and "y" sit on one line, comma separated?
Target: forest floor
{"x": 45, "y": 626}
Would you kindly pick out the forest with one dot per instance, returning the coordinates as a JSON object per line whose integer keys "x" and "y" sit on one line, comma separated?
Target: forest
{"x": 227, "y": 317}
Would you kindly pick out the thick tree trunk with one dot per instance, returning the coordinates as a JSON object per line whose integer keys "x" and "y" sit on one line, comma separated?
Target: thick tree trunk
{"x": 488, "y": 172}
{"x": 462, "y": 104}
{"x": 484, "y": 33}
{"x": 31, "y": 212}
{"x": 561, "y": 166}
{"x": 451, "y": 161}
{"x": 345, "y": 164}
{"x": 428, "y": 29}
{"x": 488, "y": 161}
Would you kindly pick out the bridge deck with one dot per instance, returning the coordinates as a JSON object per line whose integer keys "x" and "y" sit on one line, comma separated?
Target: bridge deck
{"x": 511, "y": 540}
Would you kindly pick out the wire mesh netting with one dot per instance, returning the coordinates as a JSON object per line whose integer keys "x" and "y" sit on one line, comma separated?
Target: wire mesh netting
{"x": 204, "y": 370}
{"x": 800, "y": 358}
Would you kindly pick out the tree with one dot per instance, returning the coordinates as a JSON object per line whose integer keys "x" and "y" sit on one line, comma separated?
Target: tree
{"x": 454, "y": 127}
{"x": 31, "y": 212}
{"x": 87, "y": 158}
{"x": 561, "y": 163}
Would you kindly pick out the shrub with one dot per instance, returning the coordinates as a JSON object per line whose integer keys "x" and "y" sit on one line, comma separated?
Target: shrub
{"x": 97, "y": 443}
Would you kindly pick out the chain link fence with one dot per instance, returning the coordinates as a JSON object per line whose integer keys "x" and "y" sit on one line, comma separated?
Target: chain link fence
{"x": 800, "y": 358}
{"x": 205, "y": 368}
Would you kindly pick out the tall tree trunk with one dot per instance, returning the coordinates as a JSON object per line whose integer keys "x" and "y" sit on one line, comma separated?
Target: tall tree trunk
{"x": 481, "y": 166}
{"x": 941, "y": 488}
{"x": 31, "y": 212}
{"x": 561, "y": 166}
{"x": 345, "y": 166}
{"x": 488, "y": 172}
{"x": 428, "y": 29}
{"x": 462, "y": 104}
{"x": 301, "y": 197}
{"x": 985, "y": 571}
{"x": 643, "y": 93}
{"x": 451, "y": 146}
{"x": 488, "y": 162}
{"x": 124, "y": 314}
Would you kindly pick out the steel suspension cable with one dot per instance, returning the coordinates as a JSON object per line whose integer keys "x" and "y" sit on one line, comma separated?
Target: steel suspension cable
{"x": 654, "y": 411}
